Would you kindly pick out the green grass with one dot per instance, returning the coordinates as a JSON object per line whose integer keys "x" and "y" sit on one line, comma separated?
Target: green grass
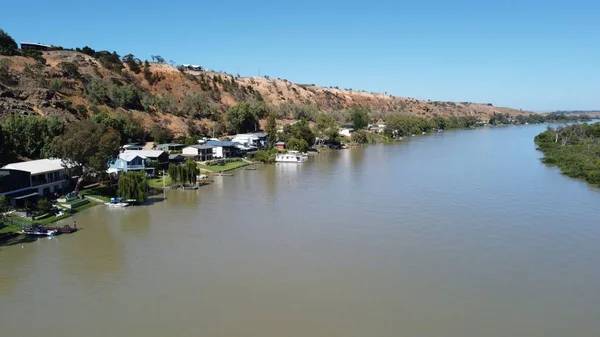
{"x": 6, "y": 228}
{"x": 223, "y": 168}
{"x": 102, "y": 192}
{"x": 158, "y": 182}
{"x": 48, "y": 220}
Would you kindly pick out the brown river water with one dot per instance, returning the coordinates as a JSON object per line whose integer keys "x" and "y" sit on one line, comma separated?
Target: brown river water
{"x": 455, "y": 234}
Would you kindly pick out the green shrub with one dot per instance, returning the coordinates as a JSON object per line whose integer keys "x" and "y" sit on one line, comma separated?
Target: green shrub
{"x": 69, "y": 69}
{"x": 8, "y": 46}
{"x": 35, "y": 54}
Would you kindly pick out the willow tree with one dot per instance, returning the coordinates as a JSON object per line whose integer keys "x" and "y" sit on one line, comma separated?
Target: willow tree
{"x": 191, "y": 171}
{"x": 133, "y": 185}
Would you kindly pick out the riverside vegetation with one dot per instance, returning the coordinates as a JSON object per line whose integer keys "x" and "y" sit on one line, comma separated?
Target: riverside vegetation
{"x": 575, "y": 149}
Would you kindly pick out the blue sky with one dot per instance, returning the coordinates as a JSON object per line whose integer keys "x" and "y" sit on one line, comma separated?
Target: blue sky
{"x": 529, "y": 54}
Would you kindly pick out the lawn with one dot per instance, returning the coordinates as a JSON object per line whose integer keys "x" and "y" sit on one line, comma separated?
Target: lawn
{"x": 7, "y": 227}
{"x": 50, "y": 219}
{"x": 102, "y": 192}
{"x": 222, "y": 168}
{"x": 158, "y": 182}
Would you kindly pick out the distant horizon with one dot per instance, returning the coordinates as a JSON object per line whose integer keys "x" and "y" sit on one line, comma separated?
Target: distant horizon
{"x": 537, "y": 58}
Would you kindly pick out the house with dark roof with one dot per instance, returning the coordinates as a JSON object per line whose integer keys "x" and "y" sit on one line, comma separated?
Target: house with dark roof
{"x": 198, "y": 152}
{"x": 167, "y": 147}
{"x": 224, "y": 149}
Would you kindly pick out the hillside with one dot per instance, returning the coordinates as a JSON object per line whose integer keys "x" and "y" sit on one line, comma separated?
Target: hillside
{"x": 74, "y": 85}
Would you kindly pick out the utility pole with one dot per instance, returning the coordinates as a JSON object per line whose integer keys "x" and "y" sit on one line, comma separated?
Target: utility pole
{"x": 258, "y": 72}
{"x": 164, "y": 186}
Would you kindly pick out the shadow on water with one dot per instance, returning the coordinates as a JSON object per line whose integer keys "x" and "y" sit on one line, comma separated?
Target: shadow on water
{"x": 15, "y": 239}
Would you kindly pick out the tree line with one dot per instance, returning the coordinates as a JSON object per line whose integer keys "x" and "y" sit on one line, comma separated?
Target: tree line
{"x": 575, "y": 149}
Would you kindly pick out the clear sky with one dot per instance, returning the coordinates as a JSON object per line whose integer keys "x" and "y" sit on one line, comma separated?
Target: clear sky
{"x": 529, "y": 54}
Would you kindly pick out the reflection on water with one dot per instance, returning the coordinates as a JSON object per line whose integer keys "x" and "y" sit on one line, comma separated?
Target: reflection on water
{"x": 457, "y": 234}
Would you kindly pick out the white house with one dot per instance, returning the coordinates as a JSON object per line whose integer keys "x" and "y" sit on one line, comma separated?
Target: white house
{"x": 257, "y": 139}
{"x": 199, "y": 152}
{"x": 346, "y": 132}
{"x": 47, "y": 175}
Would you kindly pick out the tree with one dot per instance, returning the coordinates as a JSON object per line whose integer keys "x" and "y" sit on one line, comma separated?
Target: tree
{"x": 160, "y": 134}
{"x": 158, "y": 58}
{"x": 360, "y": 137}
{"x": 30, "y": 137}
{"x": 296, "y": 144}
{"x": 69, "y": 69}
{"x": 174, "y": 172}
{"x": 191, "y": 171}
{"x": 241, "y": 118}
{"x": 8, "y": 46}
{"x": 45, "y": 206}
{"x": 133, "y": 185}
{"x": 87, "y": 147}
{"x": 271, "y": 129}
{"x": 133, "y": 63}
{"x": 298, "y": 130}
{"x": 360, "y": 117}
{"x": 327, "y": 128}
{"x": 110, "y": 61}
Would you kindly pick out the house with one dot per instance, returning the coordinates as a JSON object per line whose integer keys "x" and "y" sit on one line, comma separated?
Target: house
{"x": 377, "y": 128}
{"x": 192, "y": 67}
{"x": 198, "y": 152}
{"x": 158, "y": 158}
{"x": 15, "y": 185}
{"x": 346, "y": 132}
{"x": 224, "y": 149}
{"x": 280, "y": 145}
{"x": 168, "y": 147}
{"x": 176, "y": 158}
{"x": 128, "y": 162}
{"x": 258, "y": 139}
{"x": 46, "y": 175}
{"x": 34, "y": 46}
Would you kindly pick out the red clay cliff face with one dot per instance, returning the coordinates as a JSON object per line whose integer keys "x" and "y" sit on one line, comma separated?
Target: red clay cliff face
{"x": 49, "y": 90}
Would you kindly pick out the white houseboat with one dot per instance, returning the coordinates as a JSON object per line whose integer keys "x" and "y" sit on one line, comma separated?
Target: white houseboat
{"x": 291, "y": 157}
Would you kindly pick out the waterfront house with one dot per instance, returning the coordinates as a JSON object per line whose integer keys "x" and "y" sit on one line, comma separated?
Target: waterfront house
{"x": 47, "y": 176}
{"x": 258, "y": 139}
{"x": 376, "y": 128}
{"x": 155, "y": 158}
{"x": 128, "y": 162}
{"x": 198, "y": 152}
{"x": 176, "y": 159}
{"x": 15, "y": 185}
{"x": 224, "y": 149}
{"x": 346, "y": 131}
{"x": 280, "y": 145}
{"x": 169, "y": 147}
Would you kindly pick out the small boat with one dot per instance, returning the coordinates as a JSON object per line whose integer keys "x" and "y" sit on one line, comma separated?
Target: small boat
{"x": 291, "y": 157}
{"x": 37, "y": 230}
{"x": 116, "y": 202}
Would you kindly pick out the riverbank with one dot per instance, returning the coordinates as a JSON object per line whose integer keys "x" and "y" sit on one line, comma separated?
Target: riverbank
{"x": 574, "y": 149}
{"x": 223, "y": 168}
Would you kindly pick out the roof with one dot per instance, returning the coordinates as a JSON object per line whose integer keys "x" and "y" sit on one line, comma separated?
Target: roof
{"x": 280, "y": 143}
{"x": 129, "y": 155}
{"x": 201, "y": 146}
{"x": 175, "y": 156}
{"x": 146, "y": 153}
{"x": 221, "y": 144}
{"x": 252, "y": 134}
{"x": 37, "y": 166}
{"x": 170, "y": 144}
{"x": 36, "y": 44}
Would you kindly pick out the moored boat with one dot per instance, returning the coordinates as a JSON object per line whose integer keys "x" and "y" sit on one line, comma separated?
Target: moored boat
{"x": 116, "y": 202}
{"x": 291, "y": 157}
{"x": 37, "y": 230}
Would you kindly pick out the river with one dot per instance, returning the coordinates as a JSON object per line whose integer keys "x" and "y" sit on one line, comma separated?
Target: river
{"x": 461, "y": 233}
